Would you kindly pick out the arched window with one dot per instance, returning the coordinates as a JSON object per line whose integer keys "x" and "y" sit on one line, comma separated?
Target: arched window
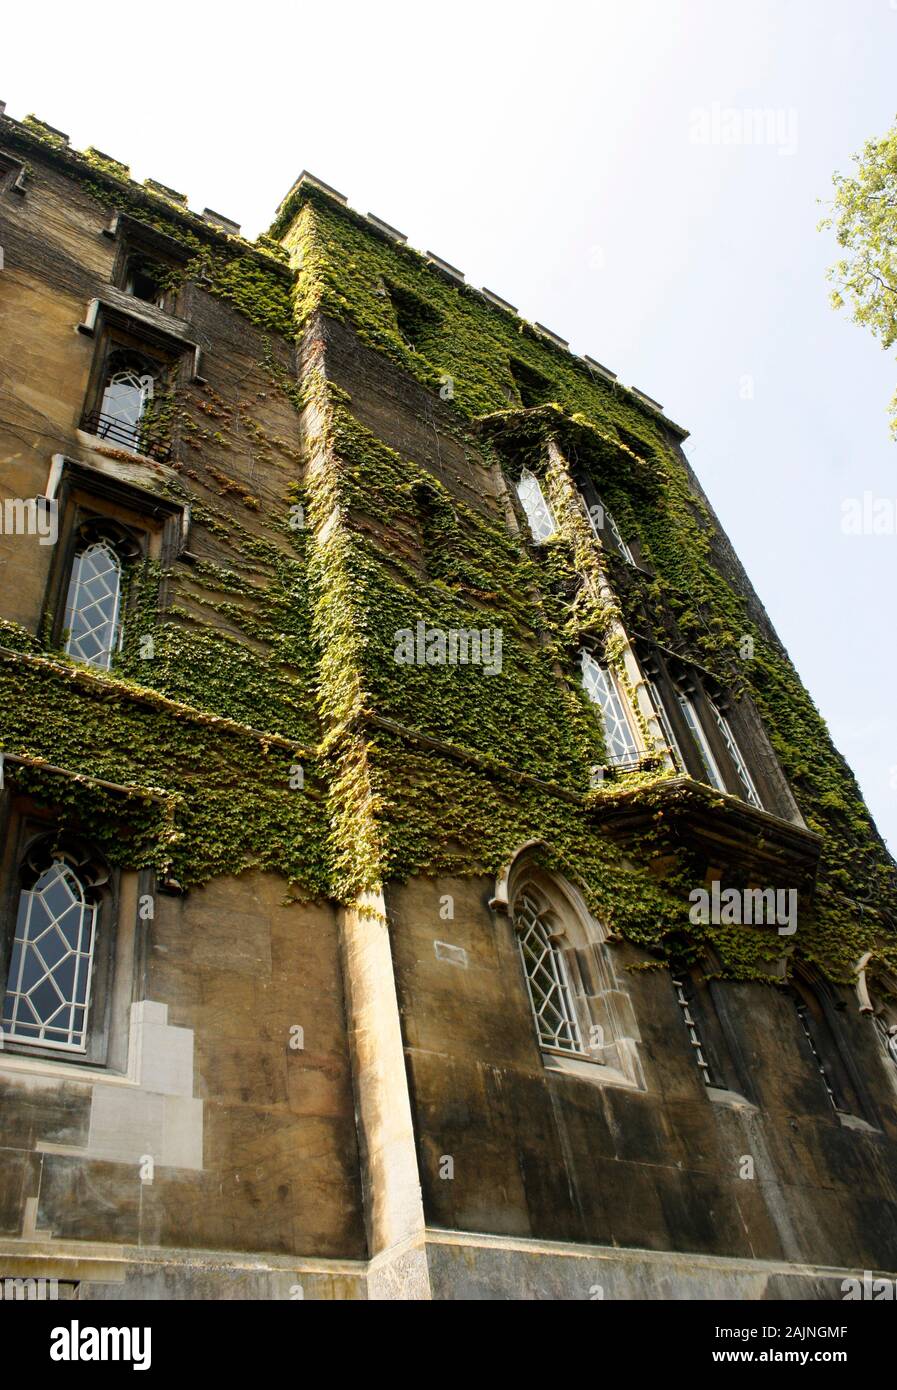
{"x": 48, "y": 983}
{"x": 538, "y": 513}
{"x": 546, "y": 975}
{"x": 877, "y": 991}
{"x": 581, "y": 1011}
{"x": 93, "y": 605}
{"x": 128, "y": 387}
{"x": 601, "y": 686}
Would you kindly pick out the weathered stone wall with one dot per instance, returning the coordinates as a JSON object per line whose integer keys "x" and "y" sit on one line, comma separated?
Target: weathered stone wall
{"x": 560, "y": 1158}
{"x": 248, "y": 1123}
{"x": 252, "y": 1139}
{"x": 472, "y": 1166}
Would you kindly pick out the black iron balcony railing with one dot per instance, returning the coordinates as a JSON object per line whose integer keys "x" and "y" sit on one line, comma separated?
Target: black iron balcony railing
{"x": 124, "y": 433}
{"x": 137, "y": 438}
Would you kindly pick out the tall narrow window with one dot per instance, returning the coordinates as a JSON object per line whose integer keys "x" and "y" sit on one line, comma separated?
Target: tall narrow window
{"x": 601, "y": 687}
{"x": 602, "y": 524}
{"x": 538, "y": 513}
{"x": 93, "y": 606}
{"x": 806, "y": 1019}
{"x": 826, "y": 1045}
{"x": 127, "y": 388}
{"x": 665, "y": 726}
{"x": 692, "y": 719}
{"x": 547, "y": 979}
{"x": 47, "y": 996}
{"x": 685, "y": 1000}
{"x": 744, "y": 777}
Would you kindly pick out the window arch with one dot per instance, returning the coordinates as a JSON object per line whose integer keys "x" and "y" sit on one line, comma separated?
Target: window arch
{"x": 47, "y": 995}
{"x": 581, "y": 1013}
{"x": 93, "y": 608}
{"x": 127, "y": 388}
{"x": 546, "y": 973}
{"x": 877, "y": 991}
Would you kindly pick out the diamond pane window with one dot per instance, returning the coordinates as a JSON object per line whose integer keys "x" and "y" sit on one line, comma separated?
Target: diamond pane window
{"x": 750, "y": 791}
{"x": 48, "y": 986}
{"x": 693, "y": 721}
{"x": 601, "y": 687}
{"x": 538, "y": 513}
{"x": 547, "y": 980}
{"x": 93, "y": 605}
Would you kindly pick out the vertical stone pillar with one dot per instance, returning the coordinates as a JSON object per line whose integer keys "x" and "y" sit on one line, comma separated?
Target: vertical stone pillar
{"x": 394, "y": 1211}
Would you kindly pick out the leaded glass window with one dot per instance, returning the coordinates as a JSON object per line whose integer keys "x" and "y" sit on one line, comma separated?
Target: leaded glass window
{"x": 600, "y": 518}
{"x": 547, "y": 980}
{"x": 665, "y": 726}
{"x": 601, "y": 687}
{"x": 48, "y": 985}
{"x": 692, "y": 719}
{"x": 93, "y": 605}
{"x": 750, "y": 791}
{"x": 538, "y": 513}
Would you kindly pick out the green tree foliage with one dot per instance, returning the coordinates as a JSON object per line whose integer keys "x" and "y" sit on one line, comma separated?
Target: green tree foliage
{"x": 864, "y": 218}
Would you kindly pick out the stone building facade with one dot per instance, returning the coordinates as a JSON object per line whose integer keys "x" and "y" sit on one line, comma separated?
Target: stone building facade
{"x": 423, "y": 873}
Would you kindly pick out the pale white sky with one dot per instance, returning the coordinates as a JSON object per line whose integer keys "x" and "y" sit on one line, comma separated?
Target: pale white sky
{"x": 550, "y": 151}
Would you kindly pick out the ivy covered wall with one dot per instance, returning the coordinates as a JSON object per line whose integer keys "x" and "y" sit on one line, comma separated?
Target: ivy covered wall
{"x": 276, "y": 645}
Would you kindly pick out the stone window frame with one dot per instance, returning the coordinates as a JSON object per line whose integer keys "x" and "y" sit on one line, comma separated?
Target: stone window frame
{"x": 12, "y": 174}
{"x": 645, "y": 754}
{"x": 730, "y": 1080}
{"x": 604, "y": 1011}
{"x": 666, "y": 675}
{"x": 819, "y": 1008}
{"x": 116, "y": 332}
{"x": 137, "y": 239}
{"x": 876, "y": 988}
{"x": 152, "y": 527}
{"x": 25, "y": 825}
